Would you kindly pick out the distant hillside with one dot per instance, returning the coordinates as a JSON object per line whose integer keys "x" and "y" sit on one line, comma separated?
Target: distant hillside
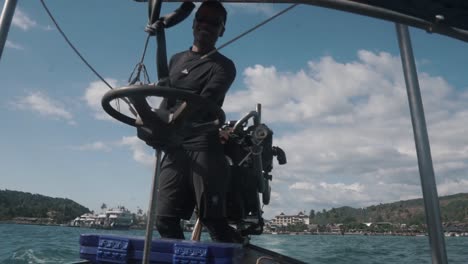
{"x": 453, "y": 208}
{"x": 22, "y": 204}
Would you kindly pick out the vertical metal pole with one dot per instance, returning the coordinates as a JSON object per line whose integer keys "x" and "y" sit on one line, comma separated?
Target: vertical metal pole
{"x": 259, "y": 112}
{"x": 5, "y": 22}
{"x": 196, "y": 233}
{"x": 426, "y": 170}
{"x": 152, "y": 210}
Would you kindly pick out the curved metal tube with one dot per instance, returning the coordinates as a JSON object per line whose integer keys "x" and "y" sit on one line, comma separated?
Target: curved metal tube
{"x": 244, "y": 120}
{"x": 154, "y": 10}
{"x": 5, "y": 22}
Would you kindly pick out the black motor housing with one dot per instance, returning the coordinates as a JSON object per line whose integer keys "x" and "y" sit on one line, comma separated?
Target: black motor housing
{"x": 243, "y": 201}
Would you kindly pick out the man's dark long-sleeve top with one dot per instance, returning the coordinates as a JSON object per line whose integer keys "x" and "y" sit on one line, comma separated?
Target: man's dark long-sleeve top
{"x": 209, "y": 77}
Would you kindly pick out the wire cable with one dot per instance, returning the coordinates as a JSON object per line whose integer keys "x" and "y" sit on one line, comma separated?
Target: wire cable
{"x": 140, "y": 67}
{"x": 73, "y": 47}
{"x": 81, "y": 57}
{"x": 250, "y": 30}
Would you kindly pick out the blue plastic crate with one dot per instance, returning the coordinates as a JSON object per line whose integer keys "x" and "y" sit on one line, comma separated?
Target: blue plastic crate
{"x": 195, "y": 252}
{"x": 100, "y": 248}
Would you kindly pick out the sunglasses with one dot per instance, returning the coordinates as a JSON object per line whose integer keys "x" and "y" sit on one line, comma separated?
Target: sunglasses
{"x": 215, "y": 22}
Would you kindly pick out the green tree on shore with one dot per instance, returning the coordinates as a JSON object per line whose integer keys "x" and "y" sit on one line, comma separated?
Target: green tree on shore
{"x": 311, "y": 215}
{"x": 454, "y": 208}
{"x": 22, "y": 204}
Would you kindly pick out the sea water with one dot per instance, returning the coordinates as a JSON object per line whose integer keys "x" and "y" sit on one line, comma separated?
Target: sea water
{"x": 56, "y": 244}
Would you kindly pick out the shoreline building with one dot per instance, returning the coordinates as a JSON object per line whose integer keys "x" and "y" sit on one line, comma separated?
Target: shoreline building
{"x": 285, "y": 220}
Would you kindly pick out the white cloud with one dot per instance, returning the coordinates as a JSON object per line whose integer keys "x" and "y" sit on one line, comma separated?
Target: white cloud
{"x": 347, "y": 131}
{"x": 454, "y": 186}
{"x": 40, "y": 103}
{"x": 326, "y": 89}
{"x": 94, "y": 146}
{"x": 251, "y": 8}
{"x": 22, "y": 20}
{"x": 48, "y": 28}
{"x": 141, "y": 151}
{"x": 93, "y": 95}
{"x": 12, "y": 45}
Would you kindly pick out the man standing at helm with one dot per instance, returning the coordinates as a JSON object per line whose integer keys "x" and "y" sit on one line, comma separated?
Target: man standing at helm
{"x": 197, "y": 173}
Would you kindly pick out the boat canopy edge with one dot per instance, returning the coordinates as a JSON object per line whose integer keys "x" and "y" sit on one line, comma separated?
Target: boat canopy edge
{"x": 448, "y": 17}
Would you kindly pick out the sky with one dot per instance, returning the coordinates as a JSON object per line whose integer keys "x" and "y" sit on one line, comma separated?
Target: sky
{"x": 330, "y": 84}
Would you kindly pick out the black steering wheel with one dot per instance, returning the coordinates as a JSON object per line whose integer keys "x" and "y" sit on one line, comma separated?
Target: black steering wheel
{"x": 160, "y": 123}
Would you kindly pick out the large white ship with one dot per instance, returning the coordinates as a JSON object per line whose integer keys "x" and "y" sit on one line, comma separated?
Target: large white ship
{"x": 114, "y": 218}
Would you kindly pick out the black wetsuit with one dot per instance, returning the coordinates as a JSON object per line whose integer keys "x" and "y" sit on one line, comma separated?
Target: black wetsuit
{"x": 196, "y": 173}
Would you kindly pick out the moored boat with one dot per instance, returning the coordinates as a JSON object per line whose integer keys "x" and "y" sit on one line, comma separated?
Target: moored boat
{"x": 115, "y": 218}
{"x": 118, "y": 218}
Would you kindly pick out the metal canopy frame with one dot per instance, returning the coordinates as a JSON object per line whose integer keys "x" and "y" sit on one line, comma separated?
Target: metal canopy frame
{"x": 445, "y": 17}
{"x": 437, "y": 19}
